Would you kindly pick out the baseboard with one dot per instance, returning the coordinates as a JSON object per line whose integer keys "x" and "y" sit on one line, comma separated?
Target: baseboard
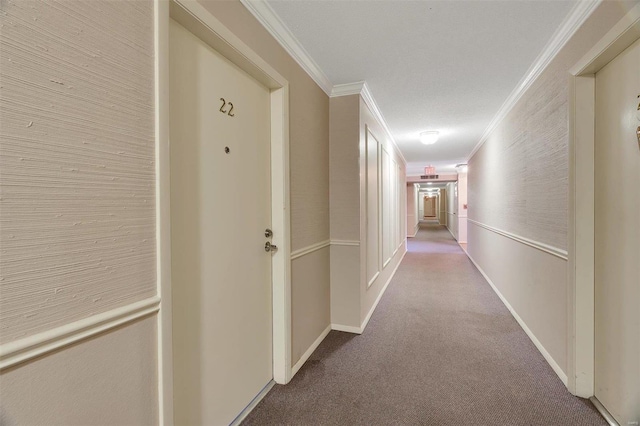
{"x": 346, "y": 328}
{"x": 611, "y": 421}
{"x": 384, "y": 288}
{"x": 554, "y": 365}
{"x": 249, "y": 408}
{"x": 305, "y": 356}
{"x": 451, "y": 232}
{"x": 415, "y": 231}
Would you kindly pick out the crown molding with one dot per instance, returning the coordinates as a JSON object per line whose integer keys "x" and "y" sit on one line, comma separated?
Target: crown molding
{"x": 347, "y": 89}
{"x": 261, "y": 10}
{"x": 574, "y": 20}
{"x": 361, "y": 88}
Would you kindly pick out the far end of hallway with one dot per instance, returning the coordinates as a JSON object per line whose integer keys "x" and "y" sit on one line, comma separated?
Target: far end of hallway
{"x": 440, "y": 349}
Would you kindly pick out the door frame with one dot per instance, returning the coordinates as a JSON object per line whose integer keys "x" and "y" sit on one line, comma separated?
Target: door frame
{"x": 581, "y": 275}
{"x": 203, "y": 24}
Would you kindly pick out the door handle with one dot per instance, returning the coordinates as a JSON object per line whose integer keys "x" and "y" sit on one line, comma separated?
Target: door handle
{"x": 270, "y": 247}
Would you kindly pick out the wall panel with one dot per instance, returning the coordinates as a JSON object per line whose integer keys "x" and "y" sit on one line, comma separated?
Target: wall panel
{"x": 108, "y": 379}
{"x": 373, "y": 206}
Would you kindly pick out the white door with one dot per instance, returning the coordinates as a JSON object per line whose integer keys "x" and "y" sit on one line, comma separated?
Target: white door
{"x": 220, "y": 208}
{"x": 617, "y": 235}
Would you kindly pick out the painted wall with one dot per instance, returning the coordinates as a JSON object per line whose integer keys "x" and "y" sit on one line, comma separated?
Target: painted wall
{"x": 461, "y": 207}
{"x": 368, "y": 211}
{"x": 108, "y": 379}
{"x": 78, "y": 200}
{"x": 77, "y": 163}
{"x": 413, "y": 219}
{"x": 345, "y": 209}
{"x": 451, "y": 204}
{"x": 518, "y": 185}
{"x": 442, "y": 200}
{"x": 309, "y": 162}
{"x": 392, "y": 221}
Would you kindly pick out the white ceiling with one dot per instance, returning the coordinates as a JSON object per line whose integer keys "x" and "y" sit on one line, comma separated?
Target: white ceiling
{"x": 430, "y": 65}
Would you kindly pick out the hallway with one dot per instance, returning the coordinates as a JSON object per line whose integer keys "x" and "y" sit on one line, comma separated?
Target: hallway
{"x": 441, "y": 349}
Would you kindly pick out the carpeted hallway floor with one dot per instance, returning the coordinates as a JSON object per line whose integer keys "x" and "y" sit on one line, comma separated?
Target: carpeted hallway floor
{"x": 440, "y": 349}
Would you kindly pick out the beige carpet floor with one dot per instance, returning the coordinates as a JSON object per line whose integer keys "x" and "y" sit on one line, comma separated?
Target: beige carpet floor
{"x": 440, "y": 349}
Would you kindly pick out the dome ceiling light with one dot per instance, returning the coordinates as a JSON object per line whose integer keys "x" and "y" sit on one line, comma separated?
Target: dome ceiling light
{"x": 430, "y": 137}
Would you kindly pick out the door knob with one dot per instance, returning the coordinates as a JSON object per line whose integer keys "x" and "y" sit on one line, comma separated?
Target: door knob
{"x": 270, "y": 247}
{"x": 268, "y": 233}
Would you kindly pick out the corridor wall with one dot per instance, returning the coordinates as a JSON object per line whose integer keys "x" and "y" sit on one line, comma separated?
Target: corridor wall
{"x": 368, "y": 211}
{"x": 518, "y": 197}
{"x": 79, "y": 207}
{"x": 412, "y": 210}
{"x": 451, "y": 204}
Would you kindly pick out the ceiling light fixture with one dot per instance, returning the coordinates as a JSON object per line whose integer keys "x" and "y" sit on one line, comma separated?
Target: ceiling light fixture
{"x": 429, "y": 137}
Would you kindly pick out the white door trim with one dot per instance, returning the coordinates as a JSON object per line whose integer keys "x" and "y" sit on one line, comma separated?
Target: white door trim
{"x": 198, "y": 20}
{"x": 581, "y": 286}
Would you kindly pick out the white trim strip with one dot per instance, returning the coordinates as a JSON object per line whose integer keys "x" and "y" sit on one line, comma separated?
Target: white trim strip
{"x": 309, "y": 351}
{"x": 309, "y": 249}
{"x": 562, "y": 254}
{"x": 253, "y": 404}
{"x": 346, "y": 328}
{"x": 547, "y": 356}
{"x": 345, "y": 243}
{"x": 30, "y": 347}
{"x": 261, "y": 10}
{"x": 372, "y": 280}
{"x": 611, "y": 421}
{"x": 573, "y": 21}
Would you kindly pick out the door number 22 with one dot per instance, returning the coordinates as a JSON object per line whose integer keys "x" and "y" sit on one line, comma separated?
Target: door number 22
{"x": 224, "y": 104}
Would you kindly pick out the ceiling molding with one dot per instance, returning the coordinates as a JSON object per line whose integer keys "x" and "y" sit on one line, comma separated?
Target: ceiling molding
{"x": 347, "y": 89}
{"x": 361, "y": 88}
{"x": 574, "y": 20}
{"x": 261, "y": 10}
{"x": 373, "y": 106}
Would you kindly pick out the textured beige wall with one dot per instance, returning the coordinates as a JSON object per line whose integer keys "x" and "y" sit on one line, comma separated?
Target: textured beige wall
{"x": 345, "y": 175}
{"x": 77, "y": 161}
{"x": 518, "y": 182}
{"x": 345, "y": 209}
{"x": 109, "y": 379}
{"x": 310, "y": 311}
{"x": 77, "y": 212}
{"x": 523, "y": 166}
{"x": 309, "y": 163}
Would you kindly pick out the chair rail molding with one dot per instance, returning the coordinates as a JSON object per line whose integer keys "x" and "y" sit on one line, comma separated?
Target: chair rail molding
{"x": 310, "y": 249}
{"x": 557, "y": 252}
{"x": 15, "y": 352}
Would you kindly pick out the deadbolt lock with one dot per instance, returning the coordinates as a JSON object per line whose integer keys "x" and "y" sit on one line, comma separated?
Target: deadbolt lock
{"x": 270, "y": 247}
{"x": 268, "y": 233}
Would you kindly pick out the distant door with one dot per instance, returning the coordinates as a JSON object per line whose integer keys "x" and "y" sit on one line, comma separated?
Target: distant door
{"x": 617, "y": 235}
{"x": 220, "y": 208}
